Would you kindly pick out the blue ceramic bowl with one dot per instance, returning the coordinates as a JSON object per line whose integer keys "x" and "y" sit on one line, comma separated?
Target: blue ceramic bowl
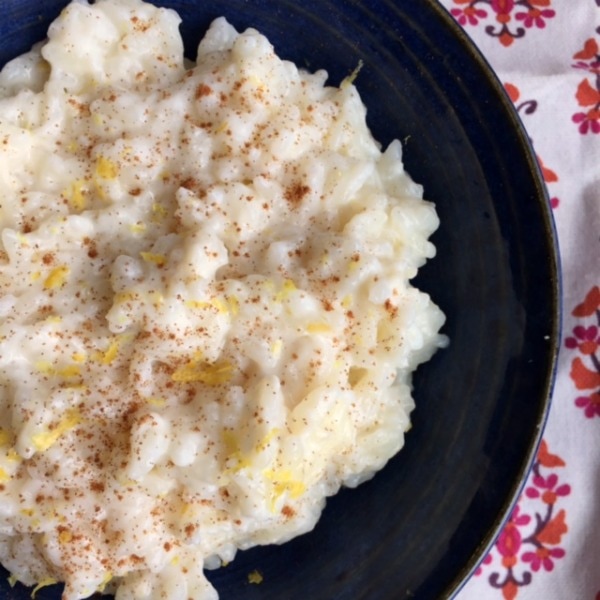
{"x": 418, "y": 529}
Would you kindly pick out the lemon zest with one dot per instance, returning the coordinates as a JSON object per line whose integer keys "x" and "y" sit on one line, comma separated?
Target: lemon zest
{"x": 222, "y": 306}
{"x": 105, "y": 581}
{"x": 222, "y": 127}
{"x": 76, "y": 194}
{"x": 42, "y": 584}
{"x": 44, "y": 440}
{"x": 13, "y": 456}
{"x": 234, "y": 304}
{"x": 65, "y": 536}
{"x": 5, "y": 437}
{"x": 156, "y": 298}
{"x": 122, "y": 297}
{"x": 255, "y": 577}
{"x": 210, "y": 374}
{"x": 67, "y": 372}
{"x": 283, "y": 481}
{"x": 159, "y": 212}
{"x": 234, "y": 452}
{"x": 106, "y": 168}
{"x": 159, "y": 402}
{"x": 57, "y": 277}
{"x": 349, "y": 80}
{"x": 137, "y": 227}
{"x": 108, "y": 356}
{"x": 276, "y": 347}
{"x": 318, "y": 328}
{"x": 286, "y": 290}
{"x": 111, "y": 352}
{"x": 158, "y": 259}
{"x": 262, "y": 445}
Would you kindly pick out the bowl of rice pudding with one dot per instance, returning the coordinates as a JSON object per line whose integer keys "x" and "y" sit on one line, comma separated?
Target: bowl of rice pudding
{"x": 279, "y": 301}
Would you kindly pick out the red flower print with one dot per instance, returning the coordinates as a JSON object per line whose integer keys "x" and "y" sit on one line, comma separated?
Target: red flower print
{"x": 486, "y": 561}
{"x": 470, "y": 15}
{"x": 535, "y": 17}
{"x": 509, "y": 541}
{"x": 585, "y": 340}
{"x": 529, "y": 543}
{"x": 545, "y": 488}
{"x": 593, "y": 67}
{"x": 587, "y": 121}
{"x": 542, "y": 557}
{"x": 530, "y": 13}
{"x": 502, "y": 8}
{"x": 590, "y": 404}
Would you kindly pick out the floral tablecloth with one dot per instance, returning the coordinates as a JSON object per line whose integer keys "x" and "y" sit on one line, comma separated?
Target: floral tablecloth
{"x": 547, "y": 55}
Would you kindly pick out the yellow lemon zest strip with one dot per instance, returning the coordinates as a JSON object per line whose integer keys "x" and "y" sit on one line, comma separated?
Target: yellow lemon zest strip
{"x": 158, "y": 259}
{"x": 283, "y": 481}
{"x": 211, "y": 374}
{"x": 76, "y": 194}
{"x": 43, "y": 441}
{"x": 65, "y": 536}
{"x": 350, "y": 79}
{"x": 107, "y": 579}
{"x": 255, "y": 577}
{"x": 159, "y": 402}
{"x": 286, "y": 289}
{"x": 5, "y": 437}
{"x": 42, "y": 584}
{"x": 56, "y": 278}
{"x": 106, "y": 168}
{"x": 318, "y": 328}
{"x": 137, "y": 227}
{"x": 234, "y": 304}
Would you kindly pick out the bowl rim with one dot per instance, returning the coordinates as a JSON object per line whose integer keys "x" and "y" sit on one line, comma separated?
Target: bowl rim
{"x": 548, "y": 226}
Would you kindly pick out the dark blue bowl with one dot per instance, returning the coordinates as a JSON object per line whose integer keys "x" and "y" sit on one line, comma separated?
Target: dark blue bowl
{"x": 418, "y": 529}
